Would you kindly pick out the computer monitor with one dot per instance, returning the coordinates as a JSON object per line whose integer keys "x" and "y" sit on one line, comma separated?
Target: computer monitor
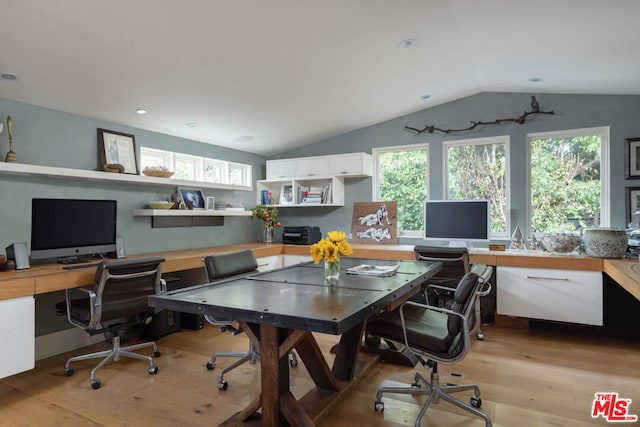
{"x": 72, "y": 230}
{"x": 457, "y": 221}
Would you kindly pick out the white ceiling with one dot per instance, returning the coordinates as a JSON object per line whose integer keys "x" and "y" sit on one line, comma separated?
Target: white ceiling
{"x": 292, "y": 72}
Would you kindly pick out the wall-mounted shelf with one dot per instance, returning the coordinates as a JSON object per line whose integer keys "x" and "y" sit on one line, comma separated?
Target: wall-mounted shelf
{"x": 56, "y": 172}
{"x": 163, "y": 218}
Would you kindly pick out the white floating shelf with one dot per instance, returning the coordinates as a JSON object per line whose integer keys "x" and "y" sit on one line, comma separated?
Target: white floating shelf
{"x": 22, "y": 169}
{"x": 186, "y": 212}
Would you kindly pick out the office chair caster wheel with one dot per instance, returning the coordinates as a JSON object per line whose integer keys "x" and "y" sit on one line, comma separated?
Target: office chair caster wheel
{"x": 153, "y": 370}
{"x": 210, "y": 366}
{"x": 476, "y": 402}
{"x": 95, "y": 384}
{"x": 69, "y": 372}
{"x": 157, "y": 353}
{"x": 378, "y": 406}
{"x": 415, "y": 384}
{"x": 223, "y": 385}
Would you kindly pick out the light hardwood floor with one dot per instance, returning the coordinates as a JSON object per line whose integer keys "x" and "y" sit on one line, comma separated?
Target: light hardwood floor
{"x": 527, "y": 377}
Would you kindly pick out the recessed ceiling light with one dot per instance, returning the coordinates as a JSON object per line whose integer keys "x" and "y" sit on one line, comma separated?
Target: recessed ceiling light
{"x": 141, "y": 111}
{"x": 8, "y": 76}
{"x": 244, "y": 138}
{"x": 425, "y": 96}
{"x": 405, "y": 44}
{"x": 192, "y": 125}
{"x": 535, "y": 79}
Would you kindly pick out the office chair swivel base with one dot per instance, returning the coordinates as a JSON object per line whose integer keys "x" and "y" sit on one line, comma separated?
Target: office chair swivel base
{"x": 435, "y": 391}
{"x": 250, "y": 356}
{"x": 114, "y": 354}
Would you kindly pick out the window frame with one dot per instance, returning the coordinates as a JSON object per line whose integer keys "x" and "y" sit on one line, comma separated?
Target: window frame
{"x": 375, "y": 152}
{"x": 605, "y": 168}
{"x": 504, "y": 139}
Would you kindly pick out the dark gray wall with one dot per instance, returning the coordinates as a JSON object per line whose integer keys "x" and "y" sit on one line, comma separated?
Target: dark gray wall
{"x": 620, "y": 113}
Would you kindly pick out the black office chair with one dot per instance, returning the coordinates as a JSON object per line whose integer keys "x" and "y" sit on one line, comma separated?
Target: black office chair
{"x": 455, "y": 264}
{"x": 224, "y": 266}
{"x": 114, "y": 306}
{"x": 438, "y": 334}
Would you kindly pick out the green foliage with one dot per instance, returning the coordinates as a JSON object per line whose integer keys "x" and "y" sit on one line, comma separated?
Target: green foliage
{"x": 565, "y": 183}
{"x": 404, "y": 178}
{"x": 478, "y": 171}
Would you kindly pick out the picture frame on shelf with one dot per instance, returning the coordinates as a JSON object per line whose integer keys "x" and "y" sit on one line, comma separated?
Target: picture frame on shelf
{"x": 286, "y": 194}
{"x": 632, "y": 202}
{"x": 117, "y": 148}
{"x": 632, "y": 158}
{"x": 193, "y": 198}
{"x": 211, "y": 203}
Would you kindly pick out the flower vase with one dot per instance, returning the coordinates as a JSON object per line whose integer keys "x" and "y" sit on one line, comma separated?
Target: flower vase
{"x": 332, "y": 270}
{"x": 269, "y": 234}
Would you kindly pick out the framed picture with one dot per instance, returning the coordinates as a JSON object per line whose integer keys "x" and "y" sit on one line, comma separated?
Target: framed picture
{"x": 632, "y": 202}
{"x": 286, "y": 194}
{"x": 631, "y": 158}
{"x": 116, "y": 148}
{"x": 211, "y": 205}
{"x": 193, "y": 198}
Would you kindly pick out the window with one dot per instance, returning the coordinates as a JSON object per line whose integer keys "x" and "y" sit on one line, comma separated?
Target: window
{"x": 569, "y": 179}
{"x": 194, "y": 168}
{"x": 401, "y": 174}
{"x": 478, "y": 169}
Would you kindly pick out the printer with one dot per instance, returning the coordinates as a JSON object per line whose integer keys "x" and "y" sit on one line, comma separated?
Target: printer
{"x": 305, "y": 235}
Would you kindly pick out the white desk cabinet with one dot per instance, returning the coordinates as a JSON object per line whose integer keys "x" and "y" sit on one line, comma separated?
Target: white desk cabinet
{"x": 550, "y": 294}
{"x": 17, "y": 330}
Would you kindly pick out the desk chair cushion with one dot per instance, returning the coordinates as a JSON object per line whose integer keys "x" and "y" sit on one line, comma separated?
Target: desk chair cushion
{"x": 427, "y": 329}
{"x": 230, "y": 264}
{"x": 121, "y": 298}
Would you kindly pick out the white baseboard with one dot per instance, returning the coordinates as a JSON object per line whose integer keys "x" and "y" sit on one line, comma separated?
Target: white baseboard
{"x": 63, "y": 341}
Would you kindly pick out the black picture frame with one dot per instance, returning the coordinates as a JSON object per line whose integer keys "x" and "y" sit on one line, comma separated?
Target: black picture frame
{"x": 632, "y": 202}
{"x": 117, "y": 148}
{"x": 632, "y": 158}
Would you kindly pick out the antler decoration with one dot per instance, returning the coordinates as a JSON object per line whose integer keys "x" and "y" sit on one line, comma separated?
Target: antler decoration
{"x": 535, "y": 109}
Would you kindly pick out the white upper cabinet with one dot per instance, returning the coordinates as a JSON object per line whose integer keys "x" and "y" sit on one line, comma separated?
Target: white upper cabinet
{"x": 345, "y": 165}
{"x": 353, "y": 164}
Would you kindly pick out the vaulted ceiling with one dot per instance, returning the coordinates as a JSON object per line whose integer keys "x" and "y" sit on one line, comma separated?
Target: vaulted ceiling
{"x": 267, "y": 76}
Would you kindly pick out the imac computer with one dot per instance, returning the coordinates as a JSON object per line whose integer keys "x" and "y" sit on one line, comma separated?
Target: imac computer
{"x": 457, "y": 221}
{"x": 70, "y": 230}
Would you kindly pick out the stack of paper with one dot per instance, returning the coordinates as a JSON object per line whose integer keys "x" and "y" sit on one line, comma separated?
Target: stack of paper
{"x": 373, "y": 270}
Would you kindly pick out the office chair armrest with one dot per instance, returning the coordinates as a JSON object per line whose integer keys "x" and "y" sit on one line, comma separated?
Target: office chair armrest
{"x": 464, "y": 331}
{"x": 88, "y": 293}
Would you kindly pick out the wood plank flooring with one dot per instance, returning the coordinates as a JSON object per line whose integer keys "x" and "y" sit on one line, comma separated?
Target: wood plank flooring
{"x": 528, "y": 377}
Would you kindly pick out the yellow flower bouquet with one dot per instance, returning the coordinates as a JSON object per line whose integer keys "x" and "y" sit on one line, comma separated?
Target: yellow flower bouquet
{"x": 329, "y": 250}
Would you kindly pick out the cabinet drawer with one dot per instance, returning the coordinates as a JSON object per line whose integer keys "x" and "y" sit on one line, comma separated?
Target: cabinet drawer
{"x": 17, "y": 335}
{"x": 549, "y": 294}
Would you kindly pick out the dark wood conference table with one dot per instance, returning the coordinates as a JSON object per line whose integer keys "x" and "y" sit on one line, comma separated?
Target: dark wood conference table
{"x": 280, "y": 309}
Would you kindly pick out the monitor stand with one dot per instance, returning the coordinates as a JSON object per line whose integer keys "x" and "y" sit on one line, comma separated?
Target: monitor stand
{"x": 70, "y": 260}
{"x": 462, "y": 244}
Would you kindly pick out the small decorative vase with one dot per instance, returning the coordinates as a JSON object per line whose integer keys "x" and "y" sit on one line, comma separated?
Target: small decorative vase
{"x": 269, "y": 234}
{"x": 332, "y": 270}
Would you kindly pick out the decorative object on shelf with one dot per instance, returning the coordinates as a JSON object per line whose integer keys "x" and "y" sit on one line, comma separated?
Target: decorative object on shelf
{"x": 375, "y": 222}
{"x": 632, "y": 203}
{"x": 211, "y": 203}
{"x": 632, "y": 158}
{"x": 268, "y": 214}
{"x": 533, "y": 245}
{"x": 562, "y": 242}
{"x": 160, "y": 205}
{"x": 535, "y": 109}
{"x": 113, "y": 168}
{"x": 11, "y": 155}
{"x": 517, "y": 239}
{"x": 117, "y": 148}
{"x": 193, "y": 198}
{"x": 158, "y": 172}
{"x": 605, "y": 242}
{"x": 176, "y": 199}
{"x": 329, "y": 250}
{"x": 266, "y": 197}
